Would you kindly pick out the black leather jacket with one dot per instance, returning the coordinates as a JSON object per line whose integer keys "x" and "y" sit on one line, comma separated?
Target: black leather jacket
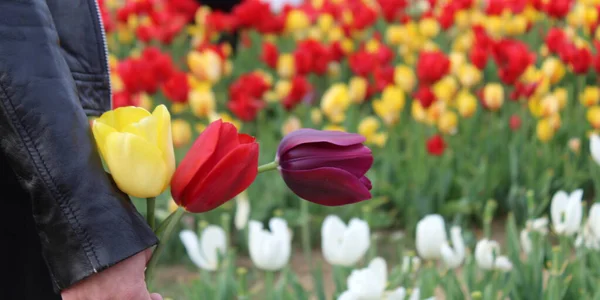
{"x": 53, "y": 74}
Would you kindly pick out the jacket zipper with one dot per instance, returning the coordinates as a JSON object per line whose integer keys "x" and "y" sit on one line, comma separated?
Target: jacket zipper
{"x": 105, "y": 56}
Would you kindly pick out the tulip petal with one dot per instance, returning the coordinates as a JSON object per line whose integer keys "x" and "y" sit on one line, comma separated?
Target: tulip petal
{"x": 215, "y": 142}
{"x": 356, "y": 159}
{"x": 558, "y": 207}
{"x": 192, "y": 247}
{"x": 332, "y": 234}
{"x": 226, "y": 179}
{"x": 200, "y": 152}
{"x": 326, "y": 186}
{"x": 123, "y": 116}
{"x": 595, "y": 148}
{"x": 212, "y": 243}
{"x": 164, "y": 137}
{"x": 308, "y": 135}
{"x": 101, "y": 132}
{"x": 136, "y": 165}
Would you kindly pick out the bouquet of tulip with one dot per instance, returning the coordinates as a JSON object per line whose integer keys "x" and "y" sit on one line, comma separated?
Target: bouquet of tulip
{"x": 324, "y": 167}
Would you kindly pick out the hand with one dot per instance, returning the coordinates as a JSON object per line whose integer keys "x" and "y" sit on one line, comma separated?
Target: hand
{"x": 123, "y": 281}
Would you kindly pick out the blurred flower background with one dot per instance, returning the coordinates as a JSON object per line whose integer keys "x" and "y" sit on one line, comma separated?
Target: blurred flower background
{"x": 479, "y": 114}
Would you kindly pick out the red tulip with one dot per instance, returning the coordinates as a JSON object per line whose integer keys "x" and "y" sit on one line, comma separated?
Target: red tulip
{"x": 436, "y": 145}
{"x": 221, "y": 164}
{"x": 432, "y": 66}
{"x": 514, "y": 122}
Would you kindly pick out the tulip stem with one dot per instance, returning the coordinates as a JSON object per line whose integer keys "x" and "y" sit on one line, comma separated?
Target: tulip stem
{"x": 269, "y": 284}
{"x": 268, "y": 167}
{"x": 150, "y": 205}
{"x": 163, "y": 236}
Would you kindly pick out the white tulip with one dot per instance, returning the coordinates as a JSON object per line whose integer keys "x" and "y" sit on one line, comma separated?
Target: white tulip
{"x": 539, "y": 225}
{"x": 566, "y": 212}
{"x": 270, "y": 251}
{"x": 595, "y": 147}
{"x": 430, "y": 236}
{"x": 277, "y": 5}
{"x": 454, "y": 257}
{"x": 368, "y": 283}
{"x": 344, "y": 245}
{"x": 204, "y": 252}
{"x": 488, "y": 258}
{"x": 526, "y": 243}
{"x": 242, "y": 211}
{"x": 590, "y": 235}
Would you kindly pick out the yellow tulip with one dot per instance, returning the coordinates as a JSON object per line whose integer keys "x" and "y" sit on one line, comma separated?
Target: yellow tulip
{"x": 335, "y": 34}
{"x": 145, "y": 101}
{"x": 202, "y": 101}
{"x": 429, "y": 27}
{"x": 462, "y": 19}
{"x": 335, "y": 102}
{"x": 590, "y": 96}
{"x": 286, "y": 65}
{"x": 372, "y": 46}
{"x": 116, "y": 82}
{"x": 325, "y": 22}
{"x": 555, "y": 121}
{"x": 205, "y": 65}
{"x": 368, "y": 128}
{"x": 516, "y": 25}
{"x": 137, "y": 147}
{"x": 405, "y": 78}
{"x": 282, "y": 89}
{"x": 535, "y": 106}
{"x": 333, "y": 127}
{"x": 469, "y": 75}
{"x": 434, "y": 112}
{"x": 358, "y": 89}
{"x": 493, "y": 96}
{"x": 447, "y": 122}
{"x": 181, "y": 131}
{"x": 494, "y": 25}
{"x": 593, "y": 116}
{"x": 544, "y": 130}
{"x": 178, "y": 108}
{"x": 549, "y": 105}
{"x": 445, "y": 88}
{"x": 561, "y": 95}
{"x": 417, "y": 111}
{"x": 390, "y": 105}
{"x": 466, "y": 104}
{"x": 463, "y": 42}
{"x": 316, "y": 116}
{"x": 347, "y": 46}
{"x": 553, "y": 68}
{"x": 296, "y": 20}
{"x": 125, "y": 35}
{"x": 457, "y": 60}
{"x": 291, "y": 124}
{"x": 394, "y": 35}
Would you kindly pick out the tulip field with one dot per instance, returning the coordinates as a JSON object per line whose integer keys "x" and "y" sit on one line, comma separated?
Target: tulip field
{"x": 406, "y": 149}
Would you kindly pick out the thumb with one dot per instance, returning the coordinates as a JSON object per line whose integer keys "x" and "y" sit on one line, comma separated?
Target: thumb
{"x": 155, "y": 296}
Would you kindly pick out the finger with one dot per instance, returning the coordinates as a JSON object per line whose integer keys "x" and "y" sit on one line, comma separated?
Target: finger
{"x": 156, "y": 296}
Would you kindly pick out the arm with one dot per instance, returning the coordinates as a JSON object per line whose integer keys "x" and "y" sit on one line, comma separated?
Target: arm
{"x": 85, "y": 224}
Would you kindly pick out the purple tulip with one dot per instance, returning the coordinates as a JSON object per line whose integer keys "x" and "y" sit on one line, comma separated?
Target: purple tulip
{"x": 326, "y": 167}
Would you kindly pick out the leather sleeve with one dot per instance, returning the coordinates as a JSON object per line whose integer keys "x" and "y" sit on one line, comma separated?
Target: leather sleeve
{"x": 85, "y": 224}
